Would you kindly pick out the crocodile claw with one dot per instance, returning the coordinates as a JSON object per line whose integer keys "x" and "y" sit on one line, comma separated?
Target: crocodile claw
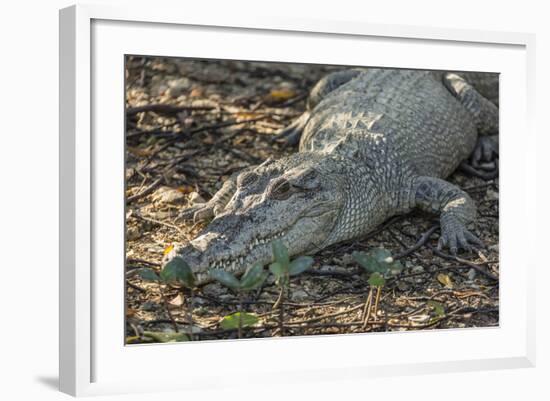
{"x": 485, "y": 151}
{"x": 455, "y": 236}
{"x": 196, "y": 213}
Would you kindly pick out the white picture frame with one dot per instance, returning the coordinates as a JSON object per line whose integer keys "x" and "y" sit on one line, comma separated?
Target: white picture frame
{"x": 93, "y": 358}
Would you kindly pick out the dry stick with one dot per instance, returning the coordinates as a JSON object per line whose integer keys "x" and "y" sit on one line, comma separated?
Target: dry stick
{"x": 423, "y": 239}
{"x": 377, "y": 300}
{"x": 154, "y": 131}
{"x": 292, "y": 101}
{"x": 367, "y": 309}
{"x": 168, "y": 312}
{"x": 240, "y": 332}
{"x": 280, "y": 304}
{"x": 141, "y": 261}
{"x": 135, "y": 287}
{"x": 164, "y": 108}
{"x": 155, "y": 184}
{"x": 474, "y": 266}
{"x": 190, "y": 314}
{"x": 162, "y": 223}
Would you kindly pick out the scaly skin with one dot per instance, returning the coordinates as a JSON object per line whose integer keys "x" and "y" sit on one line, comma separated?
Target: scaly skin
{"x": 374, "y": 143}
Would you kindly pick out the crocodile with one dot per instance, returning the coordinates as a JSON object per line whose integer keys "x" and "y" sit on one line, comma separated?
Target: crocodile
{"x": 373, "y": 143}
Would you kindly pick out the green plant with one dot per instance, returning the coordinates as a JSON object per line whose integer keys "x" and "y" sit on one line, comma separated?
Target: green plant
{"x": 379, "y": 264}
{"x": 252, "y": 279}
{"x": 177, "y": 273}
{"x": 283, "y": 268}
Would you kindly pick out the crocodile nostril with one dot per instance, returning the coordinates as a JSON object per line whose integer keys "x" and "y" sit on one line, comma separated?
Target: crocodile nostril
{"x": 247, "y": 179}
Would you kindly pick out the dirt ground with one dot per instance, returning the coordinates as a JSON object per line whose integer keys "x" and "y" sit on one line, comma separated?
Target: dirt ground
{"x": 190, "y": 125}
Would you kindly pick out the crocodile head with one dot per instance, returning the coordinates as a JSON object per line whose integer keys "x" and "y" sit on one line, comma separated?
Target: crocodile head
{"x": 293, "y": 199}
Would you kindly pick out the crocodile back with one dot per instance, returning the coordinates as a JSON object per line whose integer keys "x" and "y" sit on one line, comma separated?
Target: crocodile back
{"x": 393, "y": 116}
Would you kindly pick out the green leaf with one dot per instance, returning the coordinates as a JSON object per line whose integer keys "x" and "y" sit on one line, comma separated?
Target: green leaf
{"x": 253, "y": 277}
{"x": 369, "y": 263}
{"x": 166, "y": 337}
{"x": 226, "y": 278}
{"x": 300, "y": 265}
{"x": 277, "y": 269}
{"x": 280, "y": 253}
{"x": 376, "y": 280}
{"x": 381, "y": 255}
{"x": 396, "y": 267}
{"x": 177, "y": 270}
{"x": 232, "y": 321}
{"x": 148, "y": 275}
{"x": 438, "y": 308}
{"x": 378, "y": 260}
{"x": 132, "y": 339}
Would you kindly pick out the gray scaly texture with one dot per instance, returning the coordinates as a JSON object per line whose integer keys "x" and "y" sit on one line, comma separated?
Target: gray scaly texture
{"x": 373, "y": 144}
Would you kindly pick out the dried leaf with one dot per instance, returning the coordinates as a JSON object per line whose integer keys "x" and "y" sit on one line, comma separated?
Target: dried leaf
{"x": 209, "y": 140}
{"x": 243, "y": 115}
{"x": 168, "y": 249}
{"x": 196, "y": 92}
{"x": 185, "y": 189}
{"x": 419, "y": 318}
{"x": 177, "y": 300}
{"x": 239, "y": 140}
{"x": 139, "y": 152}
{"x": 282, "y": 94}
{"x": 445, "y": 280}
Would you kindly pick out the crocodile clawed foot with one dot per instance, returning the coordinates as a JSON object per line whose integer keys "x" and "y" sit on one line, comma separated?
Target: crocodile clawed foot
{"x": 290, "y": 136}
{"x": 456, "y": 237}
{"x": 197, "y": 213}
{"x": 486, "y": 151}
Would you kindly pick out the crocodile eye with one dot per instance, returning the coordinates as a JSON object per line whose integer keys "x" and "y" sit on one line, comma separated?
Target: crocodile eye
{"x": 306, "y": 182}
{"x": 281, "y": 190}
{"x": 246, "y": 179}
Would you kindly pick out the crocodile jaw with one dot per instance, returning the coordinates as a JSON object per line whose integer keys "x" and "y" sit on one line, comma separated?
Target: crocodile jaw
{"x": 215, "y": 250}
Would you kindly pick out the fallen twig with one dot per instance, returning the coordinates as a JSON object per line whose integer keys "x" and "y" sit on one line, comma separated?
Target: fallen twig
{"x": 164, "y": 108}
{"x": 423, "y": 239}
{"x": 477, "y": 267}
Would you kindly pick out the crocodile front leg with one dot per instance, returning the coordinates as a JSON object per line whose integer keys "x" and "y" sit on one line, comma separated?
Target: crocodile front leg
{"x": 209, "y": 210}
{"x": 455, "y": 207}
